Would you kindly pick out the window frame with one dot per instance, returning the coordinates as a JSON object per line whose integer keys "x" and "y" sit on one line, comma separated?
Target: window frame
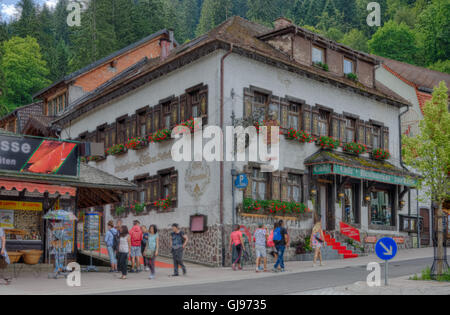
{"x": 292, "y": 184}
{"x": 346, "y": 59}
{"x": 323, "y": 54}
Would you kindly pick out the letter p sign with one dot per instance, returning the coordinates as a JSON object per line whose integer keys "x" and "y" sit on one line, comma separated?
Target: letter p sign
{"x": 374, "y": 17}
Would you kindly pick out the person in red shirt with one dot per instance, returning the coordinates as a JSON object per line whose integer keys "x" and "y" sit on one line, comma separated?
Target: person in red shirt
{"x": 136, "y": 236}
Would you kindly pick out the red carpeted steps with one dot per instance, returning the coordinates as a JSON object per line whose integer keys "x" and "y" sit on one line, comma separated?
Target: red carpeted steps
{"x": 342, "y": 250}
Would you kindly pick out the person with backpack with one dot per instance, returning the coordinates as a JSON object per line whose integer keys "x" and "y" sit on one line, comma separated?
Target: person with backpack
{"x": 112, "y": 245}
{"x": 271, "y": 244}
{"x": 136, "y": 237}
{"x": 124, "y": 251}
{"x": 281, "y": 240}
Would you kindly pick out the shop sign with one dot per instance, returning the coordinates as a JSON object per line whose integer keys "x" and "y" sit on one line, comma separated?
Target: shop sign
{"x": 7, "y": 219}
{"x": 20, "y": 205}
{"x": 362, "y": 173}
{"x": 350, "y": 231}
{"x": 38, "y": 156}
{"x": 399, "y": 240}
{"x": 370, "y": 239}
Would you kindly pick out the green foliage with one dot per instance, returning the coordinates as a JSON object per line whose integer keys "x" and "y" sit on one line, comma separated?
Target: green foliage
{"x": 23, "y": 69}
{"x": 395, "y": 41}
{"x": 213, "y": 13}
{"x": 429, "y": 151}
{"x": 426, "y": 276}
{"x": 442, "y": 66}
{"x": 273, "y": 206}
{"x": 355, "y": 39}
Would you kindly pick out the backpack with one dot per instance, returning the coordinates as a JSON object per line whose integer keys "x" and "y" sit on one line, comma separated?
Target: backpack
{"x": 277, "y": 235}
{"x": 116, "y": 241}
{"x": 270, "y": 242}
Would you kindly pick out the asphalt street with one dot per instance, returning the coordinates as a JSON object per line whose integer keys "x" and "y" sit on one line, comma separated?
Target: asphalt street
{"x": 286, "y": 283}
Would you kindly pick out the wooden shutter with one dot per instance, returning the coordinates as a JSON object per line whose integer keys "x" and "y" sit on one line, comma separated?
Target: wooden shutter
{"x": 284, "y": 113}
{"x": 149, "y": 121}
{"x": 248, "y": 190}
{"x": 174, "y": 104}
{"x": 335, "y": 121}
{"x": 360, "y": 132}
{"x": 174, "y": 188}
{"x": 342, "y": 128}
{"x": 157, "y": 117}
{"x": 183, "y": 108}
{"x": 203, "y": 95}
{"x": 368, "y": 127}
{"x": 306, "y": 118}
{"x": 248, "y": 102}
{"x": 133, "y": 126}
{"x": 113, "y": 134}
{"x": 275, "y": 190}
{"x": 385, "y": 138}
{"x": 284, "y": 186}
{"x": 315, "y": 122}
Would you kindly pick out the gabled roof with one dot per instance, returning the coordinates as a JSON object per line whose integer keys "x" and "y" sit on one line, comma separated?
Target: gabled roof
{"x": 102, "y": 61}
{"x": 236, "y": 34}
{"x": 23, "y": 113}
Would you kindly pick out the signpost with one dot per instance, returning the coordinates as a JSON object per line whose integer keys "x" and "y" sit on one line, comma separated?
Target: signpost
{"x": 386, "y": 249}
{"x": 241, "y": 181}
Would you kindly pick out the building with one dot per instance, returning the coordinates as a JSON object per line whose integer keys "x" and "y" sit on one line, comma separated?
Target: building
{"x": 311, "y": 84}
{"x": 416, "y": 85}
{"x": 16, "y": 120}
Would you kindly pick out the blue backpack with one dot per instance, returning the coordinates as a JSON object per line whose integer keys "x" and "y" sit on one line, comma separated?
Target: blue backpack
{"x": 277, "y": 235}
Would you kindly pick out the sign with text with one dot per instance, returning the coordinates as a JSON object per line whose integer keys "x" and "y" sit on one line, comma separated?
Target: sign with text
{"x": 7, "y": 219}
{"x": 20, "y": 205}
{"x": 38, "y": 156}
{"x": 350, "y": 231}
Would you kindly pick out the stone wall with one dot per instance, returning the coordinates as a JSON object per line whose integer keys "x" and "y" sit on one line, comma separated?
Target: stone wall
{"x": 29, "y": 221}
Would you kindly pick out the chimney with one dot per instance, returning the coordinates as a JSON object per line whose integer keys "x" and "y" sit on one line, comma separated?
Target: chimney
{"x": 172, "y": 39}
{"x": 165, "y": 48}
{"x": 282, "y": 22}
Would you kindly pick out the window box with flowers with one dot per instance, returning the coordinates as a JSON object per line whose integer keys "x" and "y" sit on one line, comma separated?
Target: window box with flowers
{"x": 163, "y": 204}
{"x": 116, "y": 149}
{"x": 381, "y": 154}
{"x": 119, "y": 211}
{"x": 190, "y": 124}
{"x": 299, "y": 135}
{"x": 327, "y": 142}
{"x": 95, "y": 158}
{"x": 160, "y": 135}
{"x": 354, "y": 148}
{"x": 138, "y": 208}
{"x": 136, "y": 144}
{"x": 274, "y": 207}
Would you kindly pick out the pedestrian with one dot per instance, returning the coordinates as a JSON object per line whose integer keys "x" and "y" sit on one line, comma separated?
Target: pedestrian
{"x": 124, "y": 251}
{"x": 136, "y": 236}
{"x": 179, "y": 241}
{"x": 119, "y": 224}
{"x": 143, "y": 245}
{"x": 110, "y": 245}
{"x": 317, "y": 239}
{"x": 152, "y": 249}
{"x": 281, "y": 240}
{"x": 260, "y": 237}
{"x": 4, "y": 259}
{"x": 236, "y": 247}
{"x": 271, "y": 244}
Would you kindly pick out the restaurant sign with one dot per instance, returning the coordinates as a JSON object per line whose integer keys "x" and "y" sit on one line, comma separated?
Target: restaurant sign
{"x": 20, "y": 205}
{"x": 38, "y": 156}
{"x": 362, "y": 173}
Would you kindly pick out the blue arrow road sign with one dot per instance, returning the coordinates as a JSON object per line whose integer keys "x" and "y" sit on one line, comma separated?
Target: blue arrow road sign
{"x": 386, "y": 248}
{"x": 241, "y": 181}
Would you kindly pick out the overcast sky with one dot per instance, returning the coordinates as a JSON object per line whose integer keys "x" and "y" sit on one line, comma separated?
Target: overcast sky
{"x": 8, "y": 7}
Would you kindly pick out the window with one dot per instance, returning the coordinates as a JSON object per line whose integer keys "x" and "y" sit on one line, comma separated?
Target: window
{"x": 165, "y": 185}
{"x": 323, "y": 123}
{"x": 57, "y": 104}
{"x": 260, "y": 102}
{"x": 101, "y": 134}
{"x": 348, "y": 66}
{"x": 294, "y": 184}
{"x": 350, "y": 125}
{"x": 318, "y": 55}
{"x": 294, "y": 116}
{"x": 142, "y": 123}
{"x": 259, "y": 184}
{"x": 376, "y": 137}
{"x": 381, "y": 208}
{"x": 166, "y": 115}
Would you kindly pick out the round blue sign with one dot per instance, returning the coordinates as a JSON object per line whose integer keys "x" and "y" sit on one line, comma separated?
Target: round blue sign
{"x": 241, "y": 181}
{"x": 386, "y": 248}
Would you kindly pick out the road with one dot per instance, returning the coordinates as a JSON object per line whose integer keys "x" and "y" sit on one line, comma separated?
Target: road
{"x": 286, "y": 283}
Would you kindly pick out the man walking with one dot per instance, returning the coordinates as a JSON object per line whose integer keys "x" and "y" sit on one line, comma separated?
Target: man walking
{"x": 136, "y": 236}
{"x": 179, "y": 241}
{"x": 281, "y": 240}
{"x": 260, "y": 238}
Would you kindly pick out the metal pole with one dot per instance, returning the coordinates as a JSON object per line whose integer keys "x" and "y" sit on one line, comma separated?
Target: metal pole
{"x": 386, "y": 271}
{"x": 418, "y": 218}
{"x": 233, "y": 177}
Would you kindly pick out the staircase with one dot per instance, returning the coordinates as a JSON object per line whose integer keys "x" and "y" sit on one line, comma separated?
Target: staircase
{"x": 342, "y": 250}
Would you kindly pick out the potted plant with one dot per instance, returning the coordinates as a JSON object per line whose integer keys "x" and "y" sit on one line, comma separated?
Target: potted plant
{"x": 352, "y": 76}
{"x": 138, "y": 208}
{"x": 164, "y": 203}
{"x": 160, "y": 135}
{"x": 136, "y": 143}
{"x": 355, "y": 148}
{"x": 119, "y": 211}
{"x": 326, "y": 142}
{"x": 116, "y": 149}
{"x": 381, "y": 154}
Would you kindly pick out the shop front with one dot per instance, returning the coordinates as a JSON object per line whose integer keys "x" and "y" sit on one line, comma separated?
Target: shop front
{"x": 356, "y": 191}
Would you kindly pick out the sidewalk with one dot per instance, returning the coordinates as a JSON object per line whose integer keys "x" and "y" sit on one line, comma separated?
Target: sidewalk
{"x": 105, "y": 282}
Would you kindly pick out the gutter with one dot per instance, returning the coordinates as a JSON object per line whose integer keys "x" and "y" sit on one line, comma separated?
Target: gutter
{"x": 221, "y": 209}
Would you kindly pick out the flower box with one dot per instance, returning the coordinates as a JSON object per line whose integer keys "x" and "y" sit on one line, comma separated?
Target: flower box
{"x": 299, "y": 135}
{"x": 380, "y": 154}
{"x": 138, "y": 208}
{"x": 327, "y": 142}
{"x": 163, "y": 204}
{"x": 273, "y": 207}
{"x": 160, "y": 135}
{"x": 116, "y": 149}
{"x": 354, "y": 148}
{"x": 136, "y": 144}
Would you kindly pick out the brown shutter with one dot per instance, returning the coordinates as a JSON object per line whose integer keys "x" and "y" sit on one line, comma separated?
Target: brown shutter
{"x": 248, "y": 190}
{"x": 174, "y": 105}
{"x": 368, "y": 127}
{"x": 149, "y": 121}
{"x": 360, "y": 132}
{"x": 342, "y": 128}
{"x": 157, "y": 117}
{"x": 203, "y": 95}
{"x": 174, "y": 188}
{"x": 284, "y": 109}
{"x": 315, "y": 121}
{"x": 248, "y": 102}
{"x": 113, "y": 134}
{"x": 335, "y": 125}
{"x": 386, "y": 138}
{"x": 133, "y": 126}
{"x": 284, "y": 187}
{"x": 183, "y": 107}
{"x": 275, "y": 186}
{"x": 306, "y": 118}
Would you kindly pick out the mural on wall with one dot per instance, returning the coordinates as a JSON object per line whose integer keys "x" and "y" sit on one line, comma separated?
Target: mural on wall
{"x": 197, "y": 178}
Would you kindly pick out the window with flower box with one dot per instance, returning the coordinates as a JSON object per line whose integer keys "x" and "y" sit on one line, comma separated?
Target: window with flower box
{"x": 168, "y": 186}
{"x": 294, "y": 115}
{"x": 350, "y": 129}
{"x": 141, "y": 116}
{"x": 166, "y": 115}
{"x": 121, "y": 125}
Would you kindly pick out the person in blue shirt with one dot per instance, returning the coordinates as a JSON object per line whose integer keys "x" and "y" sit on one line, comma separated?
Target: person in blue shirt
{"x": 109, "y": 240}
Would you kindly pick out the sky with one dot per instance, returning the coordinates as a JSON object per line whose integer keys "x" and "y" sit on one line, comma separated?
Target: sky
{"x": 8, "y": 10}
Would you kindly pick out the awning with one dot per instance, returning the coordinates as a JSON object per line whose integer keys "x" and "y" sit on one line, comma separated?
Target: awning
{"x": 35, "y": 187}
{"x": 326, "y": 162}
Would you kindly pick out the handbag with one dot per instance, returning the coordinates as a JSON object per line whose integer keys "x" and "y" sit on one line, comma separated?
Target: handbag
{"x": 148, "y": 252}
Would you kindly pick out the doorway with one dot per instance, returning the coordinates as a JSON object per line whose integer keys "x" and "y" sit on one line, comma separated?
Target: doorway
{"x": 425, "y": 229}
{"x": 326, "y": 213}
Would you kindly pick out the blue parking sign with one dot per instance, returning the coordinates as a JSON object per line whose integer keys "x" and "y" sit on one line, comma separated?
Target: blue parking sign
{"x": 386, "y": 248}
{"x": 241, "y": 181}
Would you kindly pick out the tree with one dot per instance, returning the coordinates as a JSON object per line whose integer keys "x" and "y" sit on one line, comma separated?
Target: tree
{"x": 429, "y": 154}
{"x": 213, "y": 13}
{"x": 356, "y": 40}
{"x": 28, "y": 23}
{"x": 23, "y": 68}
{"x": 442, "y": 66}
{"x": 395, "y": 41}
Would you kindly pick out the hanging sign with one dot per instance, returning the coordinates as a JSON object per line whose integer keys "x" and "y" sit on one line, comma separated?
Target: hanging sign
{"x": 38, "y": 156}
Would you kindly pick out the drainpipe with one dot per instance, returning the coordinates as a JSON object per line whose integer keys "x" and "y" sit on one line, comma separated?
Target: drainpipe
{"x": 400, "y": 136}
{"x": 222, "y": 68}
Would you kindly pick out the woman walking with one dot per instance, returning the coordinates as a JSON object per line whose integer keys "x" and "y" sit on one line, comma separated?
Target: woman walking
{"x": 236, "y": 246}
{"x": 152, "y": 249}
{"x": 124, "y": 251}
{"x": 317, "y": 240}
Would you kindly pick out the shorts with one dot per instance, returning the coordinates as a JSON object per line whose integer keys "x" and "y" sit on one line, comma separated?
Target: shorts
{"x": 260, "y": 251}
{"x": 112, "y": 255}
{"x": 136, "y": 251}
